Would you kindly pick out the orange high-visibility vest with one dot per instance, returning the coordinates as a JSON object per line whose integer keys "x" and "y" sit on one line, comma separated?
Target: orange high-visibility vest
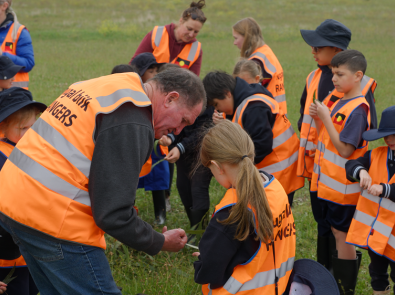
{"x": 272, "y": 67}
{"x": 308, "y": 132}
{"x": 9, "y": 45}
{"x": 257, "y": 275}
{"x": 160, "y": 44}
{"x": 282, "y": 161}
{"x": 44, "y": 183}
{"x": 6, "y": 149}
{"x": 329, "y": 174}
{"x": 373, "y": 224}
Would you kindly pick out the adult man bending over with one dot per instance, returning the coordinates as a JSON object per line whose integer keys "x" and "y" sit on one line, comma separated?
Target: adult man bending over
{"x": 74, "y": 176}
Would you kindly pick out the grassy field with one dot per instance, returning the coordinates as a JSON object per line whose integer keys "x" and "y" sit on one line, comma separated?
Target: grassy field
{"x": 81, "y": 39}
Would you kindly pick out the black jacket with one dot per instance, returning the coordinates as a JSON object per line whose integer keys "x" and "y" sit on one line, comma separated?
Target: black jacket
{"x": 258, "y": 119}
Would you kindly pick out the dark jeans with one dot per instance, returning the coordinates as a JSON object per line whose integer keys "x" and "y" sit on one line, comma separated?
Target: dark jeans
{"x": 23, "y": 284}
{"x": 378, "y": 271}
{"x": 59, "y": 268}
{"x": 194, "y": 191}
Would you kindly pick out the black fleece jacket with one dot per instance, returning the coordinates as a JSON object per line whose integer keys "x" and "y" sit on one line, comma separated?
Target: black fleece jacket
{"x": 258, "y": 119}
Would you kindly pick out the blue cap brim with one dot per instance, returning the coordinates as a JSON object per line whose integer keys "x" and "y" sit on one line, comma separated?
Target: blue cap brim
{"x": 41, "y": 106}
{"x": 312, "y": 38}
{"x": 375, "y": 134}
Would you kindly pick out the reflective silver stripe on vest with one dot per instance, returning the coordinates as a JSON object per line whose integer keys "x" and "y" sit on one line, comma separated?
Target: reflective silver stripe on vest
{"x": 310, "y": 78}
{"x": 308, "y": 120}
{"x": 158, "y": 36}
{"x": 339, "y": 187}
{"x": 308, "y": 145}
{"x": 370, "y": 221}
{"x": 265, "y": 60}
{"x": 280, "y": 98}
{"x": 321, "y": 147}
{"x": 279, "y": 166}
{"x": 20, "y": 84}
{"x": 246, "y": 100}
{"x": 370, "y": 197}
{"x": 283, "y": 137}
{"x": 47, "y": 178}
{"x": 391, "y": 241}
{"x": 193, "y": 51}
{"x": 365, "y": 80}
{"x": 63, "y": 146}
{"x": 335, "y": 159}
{"x": 108, "y": 100}
{"x": 316, "y": 169}
{"x": 261, "y": 279}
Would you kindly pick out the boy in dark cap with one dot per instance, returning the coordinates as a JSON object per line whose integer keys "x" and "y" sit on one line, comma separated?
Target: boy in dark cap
{"x": 147, "y": 65}
{"x": 18, "y": 112}
{"x": 376, "y": 174}
{"x": 327, "y": 40}
{"x": 8, "y": 70}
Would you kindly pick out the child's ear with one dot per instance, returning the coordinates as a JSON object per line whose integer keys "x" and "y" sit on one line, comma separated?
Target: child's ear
{"x": 217, "y": 165}
{"x": 257, "y": 78}
{"x": 359, "y": 75}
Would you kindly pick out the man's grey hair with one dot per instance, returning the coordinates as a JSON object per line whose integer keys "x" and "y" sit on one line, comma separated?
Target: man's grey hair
{"x": 186, "y": 83}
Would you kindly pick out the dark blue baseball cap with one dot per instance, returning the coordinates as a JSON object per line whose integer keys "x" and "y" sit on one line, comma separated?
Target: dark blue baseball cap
{"x": 308, "y": 277}
{"x": 7, "y": 68}
{"x": 329, "y": 33}
{"x": 143, "y": 61}
{"x": 386, "y": 127}
{"x": 15, "y": 98}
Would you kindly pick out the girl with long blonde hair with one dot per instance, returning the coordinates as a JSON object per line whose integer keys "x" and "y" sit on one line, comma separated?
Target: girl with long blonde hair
{"x": 252, "y": 232}
{"x": 248, "y": 38}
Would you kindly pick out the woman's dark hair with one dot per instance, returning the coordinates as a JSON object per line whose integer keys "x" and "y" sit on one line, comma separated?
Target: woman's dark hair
{"x": 217, "y": 84}
{"x": 195, "y": 12}
{"x": 125, "y": 68}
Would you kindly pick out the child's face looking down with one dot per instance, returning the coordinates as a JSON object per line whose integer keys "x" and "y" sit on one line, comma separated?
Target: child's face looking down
{"x": 15, "y": 130}
{"x": 5, "y": 84}
{"x": 324, "y": 55}
{"x": 149, "y": 73}
{"x": 390, "y": 141}
{"x": 345, "y": 80}
{"x": 224, "y": 105}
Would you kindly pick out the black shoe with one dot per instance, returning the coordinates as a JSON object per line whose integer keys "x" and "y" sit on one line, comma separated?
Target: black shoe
{"x": 346, "y": 274}
{"x": 158, "y": 197}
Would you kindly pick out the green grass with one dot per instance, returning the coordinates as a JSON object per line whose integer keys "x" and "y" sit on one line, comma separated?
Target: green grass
{"x": 81, "y": 39}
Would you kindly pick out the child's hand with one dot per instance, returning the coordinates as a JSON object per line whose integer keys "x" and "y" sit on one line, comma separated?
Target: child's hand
{"x": 196, "y": 254}
{"x": 165, "y": 140}
{"x": 376, "y": 190}
{"x": 322, "y": 111}
{"x": 313, "y": 111}
{"x": 3, "y": 287}
{"x": 312, "y": 153}
{"x": 365, "y": 179}
{"x": 173, "y": 155}
{"x": 217, "y": 117}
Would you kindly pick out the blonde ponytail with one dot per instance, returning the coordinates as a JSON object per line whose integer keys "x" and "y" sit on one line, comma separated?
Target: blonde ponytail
{"x": 228, "y": 143}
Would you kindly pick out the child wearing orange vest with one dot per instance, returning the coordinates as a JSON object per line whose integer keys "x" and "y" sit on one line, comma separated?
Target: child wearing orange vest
{"x": 248, "y": 70}
{"x": 373, "y": 225}
{"x": 18, "y": 113}
{"x": 327, "y": 40}
{"x": 248, "y": 38}
{"x": 253, "y": 107}
{"x": 249, "y": 244}
{"x": 340, "y": 131}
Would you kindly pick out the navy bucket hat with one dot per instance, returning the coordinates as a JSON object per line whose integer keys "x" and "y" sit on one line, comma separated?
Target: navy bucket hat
{"x": 309, "y": 277}
{"x": 143, "y": 61}
{"x": 386, "y": 127}
{"x": 7, "y": 68}
{"x": 15, "y": 98}
{"x": 329, "y": 33}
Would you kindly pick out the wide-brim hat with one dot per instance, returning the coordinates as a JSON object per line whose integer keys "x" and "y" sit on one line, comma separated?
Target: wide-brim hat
{"x": 309, "y": 277}
{"x": 143, "y": 61}
{"x": 386, "y": 127}
{"x": 329, "y": 33}
{"x": 14, "y": 99}
{"x": 7, "y": 68}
